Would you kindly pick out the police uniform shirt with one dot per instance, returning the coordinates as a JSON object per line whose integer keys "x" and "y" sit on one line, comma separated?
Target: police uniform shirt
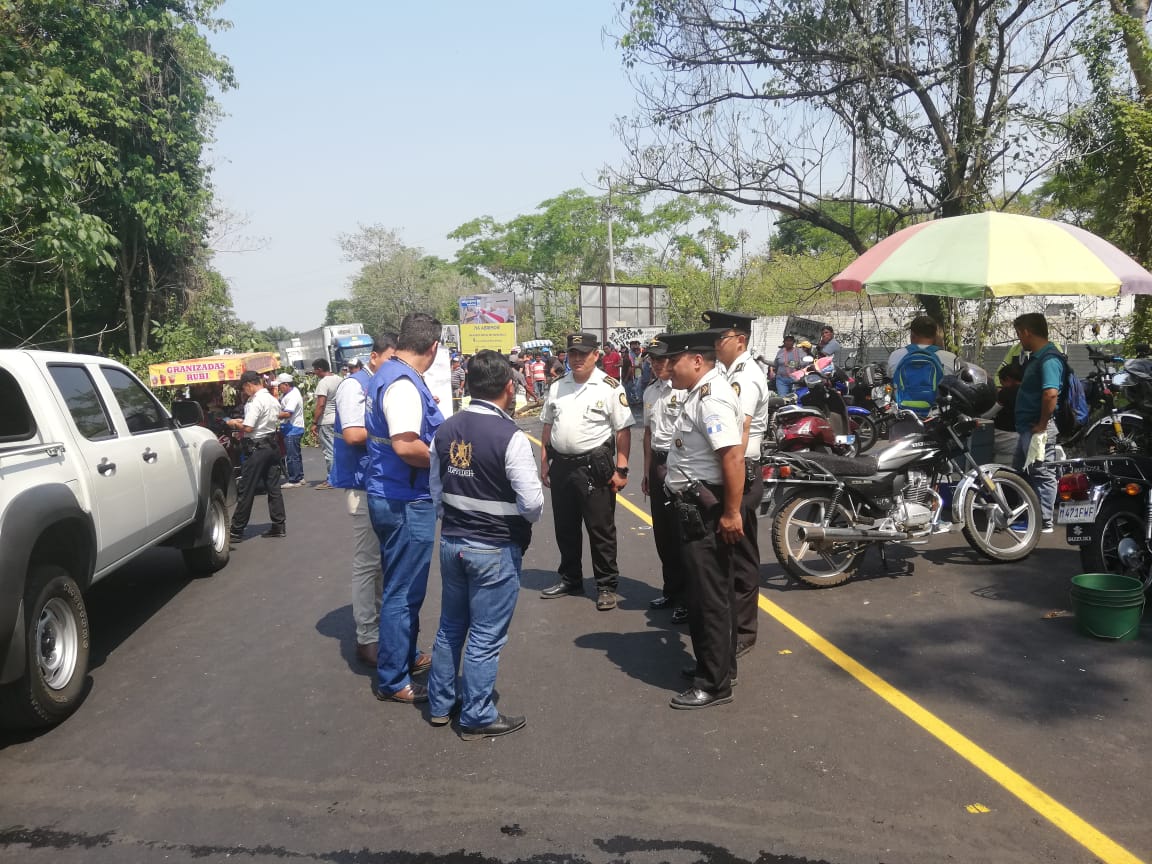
{"x": 584, "y": 416}
{"x": 662, "y": 404}
{"x": 750, "y": 384}
{"x": 711, "y": 420}
{"x": 262, "y": 414}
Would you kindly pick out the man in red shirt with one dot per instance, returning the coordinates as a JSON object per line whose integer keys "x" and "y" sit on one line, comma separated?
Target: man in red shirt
{"x": 612, "y": 362}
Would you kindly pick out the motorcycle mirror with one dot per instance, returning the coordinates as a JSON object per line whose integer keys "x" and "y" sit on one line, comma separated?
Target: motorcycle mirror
{"x": 807, "y": 358}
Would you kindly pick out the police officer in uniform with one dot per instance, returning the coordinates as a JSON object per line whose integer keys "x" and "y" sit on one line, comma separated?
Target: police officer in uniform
{"x": 751, "y": 386}
{"x": 587, "y": 436}
{"x": 706, "y": 480}
{"x": 262, "y": 457}
{"x": 662, "y": 404}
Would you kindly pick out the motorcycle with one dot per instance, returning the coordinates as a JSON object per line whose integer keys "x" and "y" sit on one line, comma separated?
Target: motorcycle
{"x": 1110, "y": 430}
{"x": 818, "y": 420}
{"x": 1105, "y": 502}
{"x": 835, "y": 508}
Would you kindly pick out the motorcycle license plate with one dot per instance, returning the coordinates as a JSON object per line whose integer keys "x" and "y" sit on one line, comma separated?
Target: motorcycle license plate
{"x": 1074, "y": 513}
{"x": 1078, "y": 534}
{"x": 845, "y": 439}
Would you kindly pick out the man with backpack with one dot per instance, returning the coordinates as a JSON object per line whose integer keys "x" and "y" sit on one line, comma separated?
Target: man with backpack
{"x": 1037, "y": 399}
{"x": 915, "y": 371}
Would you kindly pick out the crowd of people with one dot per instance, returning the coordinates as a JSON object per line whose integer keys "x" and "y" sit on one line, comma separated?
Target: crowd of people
{"x": 705, "y": 413}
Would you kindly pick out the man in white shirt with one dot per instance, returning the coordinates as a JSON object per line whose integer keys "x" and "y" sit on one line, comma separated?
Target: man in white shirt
{"x": 262, "y": 457}
{"x": 292, "y": 428}
{"x": 324, "y": 414}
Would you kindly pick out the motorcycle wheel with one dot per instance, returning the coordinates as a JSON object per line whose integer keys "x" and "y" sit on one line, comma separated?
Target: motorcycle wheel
{"x": 1002, "y": 536}
{"x": 1102, "y": 440}
{"x": 866, "y": 434}
{"x": 1116, "y": 520}
{"x": 820, "y": 564}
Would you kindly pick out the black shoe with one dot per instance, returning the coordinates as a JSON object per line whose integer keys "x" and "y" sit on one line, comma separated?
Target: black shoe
{"x": 605, "y": 601}
{"x": 1046, "y": 527}
{"x": 679, "y": 615}
{"x": 500, "y": 726}
{"x": 562, "y": 589}
{"x": 659, "y": 603}
{"x": 276, "y": 531}
{"x": 235, "y": 539}
{"x": 410, "y": 695}
{"x": 696, "y": 698}
{"x": 743, "y": 648}
{"x": 689, "y": 672}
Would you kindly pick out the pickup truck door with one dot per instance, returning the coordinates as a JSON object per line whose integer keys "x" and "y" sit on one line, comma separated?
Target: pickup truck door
{"x": 111, "y": 463}
{"x": 165, "y": 460}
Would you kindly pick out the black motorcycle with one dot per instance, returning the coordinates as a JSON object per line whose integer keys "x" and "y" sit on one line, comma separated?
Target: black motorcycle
{"x": 1105, "y": 502}
{"x": 927, "y": 483}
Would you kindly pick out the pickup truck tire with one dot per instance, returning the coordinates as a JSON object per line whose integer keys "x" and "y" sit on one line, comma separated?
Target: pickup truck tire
{"x": 57, "y": 649}
{"x": 205, "y": 560}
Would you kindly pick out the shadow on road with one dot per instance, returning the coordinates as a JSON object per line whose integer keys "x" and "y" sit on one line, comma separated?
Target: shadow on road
{"x": 340, "y": 626}
{"x": 652, "y": 656}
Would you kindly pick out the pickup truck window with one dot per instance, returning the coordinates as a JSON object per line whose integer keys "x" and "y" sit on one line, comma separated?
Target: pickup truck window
{"x": 16, "y": 423}
{"x": 84, "y": 403}
{"x": 141, "y": 410}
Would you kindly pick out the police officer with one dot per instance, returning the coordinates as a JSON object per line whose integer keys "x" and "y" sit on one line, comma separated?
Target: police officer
{"x": 587, "y": 436}
{"x": 662, "y": 404}
{"x": 706, "y": 480}
{"x": 262, "y": 457}
{"x": 747, "y": 379}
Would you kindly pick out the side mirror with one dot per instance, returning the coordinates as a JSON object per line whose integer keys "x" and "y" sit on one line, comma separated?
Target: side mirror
{"x": 807, "y": 358}
{"x": 187, "y": 412}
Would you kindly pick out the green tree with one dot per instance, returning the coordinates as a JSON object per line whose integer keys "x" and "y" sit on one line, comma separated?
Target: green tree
{"x": 339, "y": 311}
{"x": 913, "y": 108}
{"x": 114, "y": 100}
{"x": 395, "y": 279}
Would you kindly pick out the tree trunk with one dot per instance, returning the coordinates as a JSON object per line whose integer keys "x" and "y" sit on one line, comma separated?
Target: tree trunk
{"x": 127, "y": 267}
{"x": 146, "y": 315}
{"x": 1136, "y": 42}
{"x": 68, "y": 314}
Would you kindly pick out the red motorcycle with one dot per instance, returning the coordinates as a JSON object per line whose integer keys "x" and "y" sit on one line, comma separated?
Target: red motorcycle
{"x": 818, "y": 422}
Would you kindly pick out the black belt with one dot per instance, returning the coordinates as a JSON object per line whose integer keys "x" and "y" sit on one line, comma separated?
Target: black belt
{"x": 578, "y": 459}
{"x": 660, "y": 457}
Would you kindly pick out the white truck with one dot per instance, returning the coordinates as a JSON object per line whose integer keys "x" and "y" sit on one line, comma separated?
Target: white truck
{"x": 93, "y": 471}
{"x": 337, "y": 343}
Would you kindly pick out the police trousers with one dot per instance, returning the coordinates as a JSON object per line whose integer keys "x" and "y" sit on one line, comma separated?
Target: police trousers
{"x": 665, "y": 531}
{"x": 712, "y": 604}
{"x": 746, "y": 563}
{"x": 577, "y": 500}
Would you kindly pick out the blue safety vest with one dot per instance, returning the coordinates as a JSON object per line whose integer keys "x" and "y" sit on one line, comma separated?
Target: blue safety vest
{"x": 389, "y": 476}
{"x": 349, "y": 462}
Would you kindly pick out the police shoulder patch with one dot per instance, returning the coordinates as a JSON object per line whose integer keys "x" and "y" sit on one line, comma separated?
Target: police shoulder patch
{"x": 706, "y": 390}
{"x": 736, "y": 387}
{"x": 624, "y": 399}
{"x": 611, "y": 382}
{"x": 739, "y": 368}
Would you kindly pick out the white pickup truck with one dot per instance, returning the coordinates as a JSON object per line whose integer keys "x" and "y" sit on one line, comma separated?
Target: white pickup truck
{"x": 93, "y": 471}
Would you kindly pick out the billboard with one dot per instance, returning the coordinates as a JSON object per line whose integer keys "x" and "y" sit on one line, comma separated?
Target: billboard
{"x": 488, "y": 321}
{"x": 613, "y": 308}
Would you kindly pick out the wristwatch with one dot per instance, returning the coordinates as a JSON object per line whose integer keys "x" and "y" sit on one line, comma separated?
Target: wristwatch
{"x": 623, "y": 472}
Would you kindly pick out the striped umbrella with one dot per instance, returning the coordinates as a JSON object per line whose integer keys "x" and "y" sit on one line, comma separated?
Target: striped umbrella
{"x": 996, "y": 254}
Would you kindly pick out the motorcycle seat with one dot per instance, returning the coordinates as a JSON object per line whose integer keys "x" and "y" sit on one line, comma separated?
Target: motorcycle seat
{"x": 844, "y": 466}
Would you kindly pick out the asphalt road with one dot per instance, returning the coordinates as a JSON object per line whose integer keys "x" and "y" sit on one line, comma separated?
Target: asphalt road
{"x": 227, "y": 719}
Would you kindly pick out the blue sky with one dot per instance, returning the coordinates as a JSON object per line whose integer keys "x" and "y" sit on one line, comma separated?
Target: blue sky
{"x": 416, "y": 116}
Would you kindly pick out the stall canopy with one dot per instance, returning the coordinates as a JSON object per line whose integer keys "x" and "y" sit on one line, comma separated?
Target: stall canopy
{"x": 207, "y": 370}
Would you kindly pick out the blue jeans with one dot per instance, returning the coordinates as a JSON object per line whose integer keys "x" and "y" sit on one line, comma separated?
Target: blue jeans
{"x": 1040, "y": 475}
{"x": 481, "y": 584}
{"x": 406, "y": 530}
{"x": 783, "y": 385}
{"x": 295, "y": 462}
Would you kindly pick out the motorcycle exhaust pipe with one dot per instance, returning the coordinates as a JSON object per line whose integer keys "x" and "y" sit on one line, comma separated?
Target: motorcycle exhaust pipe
{"x": 818, "y": 534}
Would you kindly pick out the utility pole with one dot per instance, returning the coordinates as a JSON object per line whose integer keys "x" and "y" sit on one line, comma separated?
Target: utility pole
{"x": 611, "y": 248}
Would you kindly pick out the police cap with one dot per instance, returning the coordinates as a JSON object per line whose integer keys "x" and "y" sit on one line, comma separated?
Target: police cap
{"x": 728, "y": 321}
{"x": 585, "y": 342}
{"x": 696, "y": 342}
{"x": 657, "y": 347}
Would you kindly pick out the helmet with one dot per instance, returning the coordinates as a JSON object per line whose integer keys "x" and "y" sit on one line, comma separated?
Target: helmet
{"x": 1136, "y": 382}
{"x": 968, "y": 390}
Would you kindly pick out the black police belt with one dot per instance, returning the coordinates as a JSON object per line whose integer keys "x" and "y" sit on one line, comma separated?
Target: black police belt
{"x": 580, "y": 459}
{"x": 660, "y": 457}
{"x": 251, "y": 445}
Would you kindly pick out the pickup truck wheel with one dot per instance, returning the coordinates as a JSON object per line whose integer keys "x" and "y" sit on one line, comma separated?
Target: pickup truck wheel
{"x": 204, "y": 560}
{"x": 57, "y": 643}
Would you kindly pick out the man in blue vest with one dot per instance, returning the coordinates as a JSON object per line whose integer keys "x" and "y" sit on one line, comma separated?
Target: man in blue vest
{"x": 349, "y": 472}
{"x": 485, "y": 486}
{"x": 401, "y": 417}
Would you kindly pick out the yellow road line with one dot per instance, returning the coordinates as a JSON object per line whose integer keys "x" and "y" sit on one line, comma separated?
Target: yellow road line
{"x": 1094, "y": 840}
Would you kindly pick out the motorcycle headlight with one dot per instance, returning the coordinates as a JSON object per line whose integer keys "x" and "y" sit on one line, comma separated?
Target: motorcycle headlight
{"x": 1121, "y": 379}
{"x": 813, "y": 379}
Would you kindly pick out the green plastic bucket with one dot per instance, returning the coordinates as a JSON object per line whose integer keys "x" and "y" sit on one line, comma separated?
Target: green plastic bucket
{"x": 1107, "y": 606}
